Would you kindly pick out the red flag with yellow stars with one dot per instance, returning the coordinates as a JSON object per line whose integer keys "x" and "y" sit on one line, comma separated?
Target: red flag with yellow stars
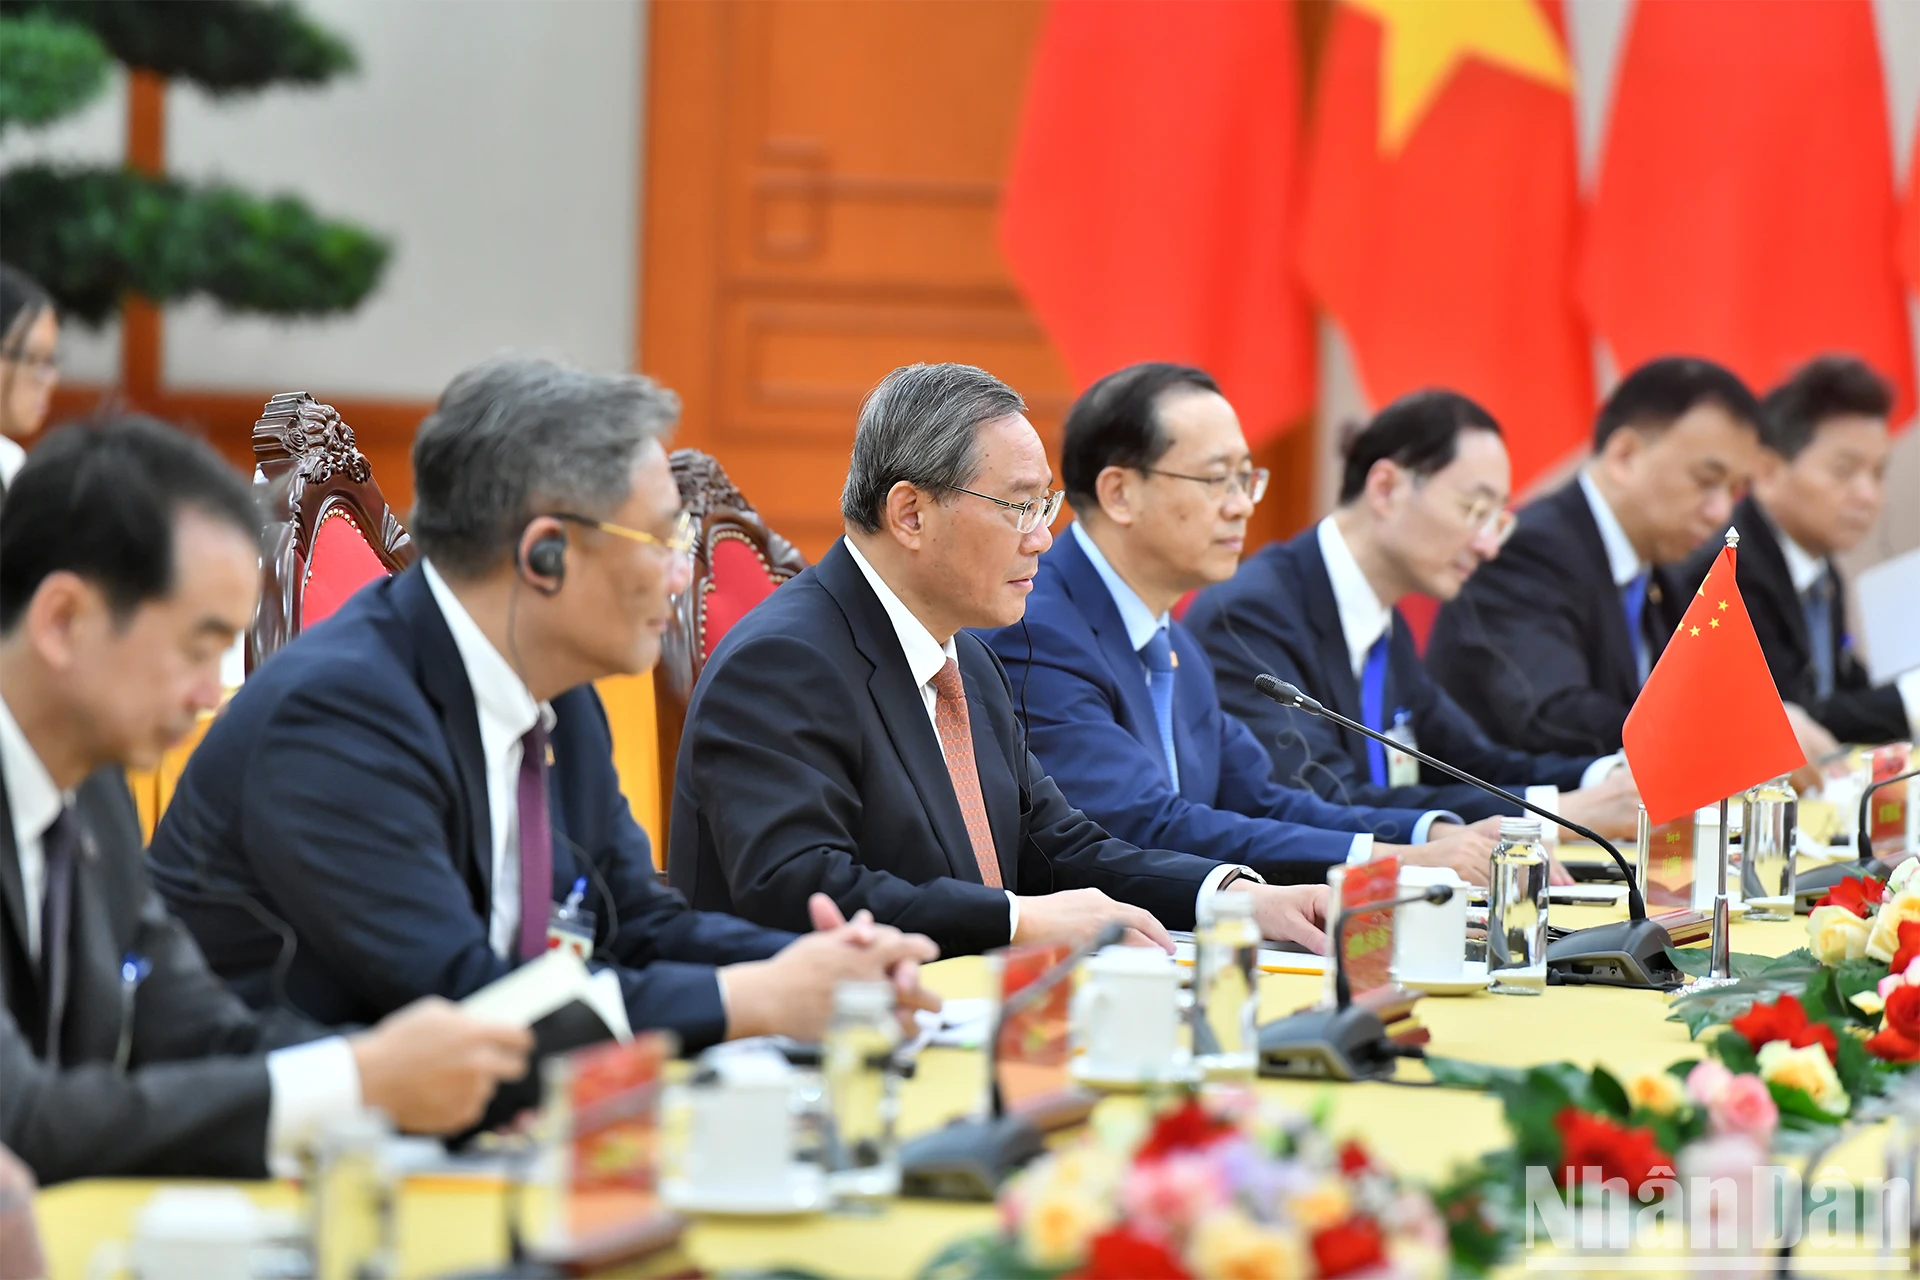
{"x": 1708, "y": 722}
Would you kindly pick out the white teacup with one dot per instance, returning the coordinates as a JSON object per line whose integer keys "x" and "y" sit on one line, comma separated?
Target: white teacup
{"x": 1430, "y": 939}
{"x": 189, "y": 1233}
{"x": 1126, "y": 1016}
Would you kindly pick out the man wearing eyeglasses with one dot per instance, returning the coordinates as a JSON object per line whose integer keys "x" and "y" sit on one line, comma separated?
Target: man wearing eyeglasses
{"x": 1422, "y": 507}
{"x": 852, "y": 737}
{"x": 403, "y": 800}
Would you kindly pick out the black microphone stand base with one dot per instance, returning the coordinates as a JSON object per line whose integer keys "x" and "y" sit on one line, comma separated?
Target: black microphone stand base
{"x": 1630, "y": 953}
{"x": 1327, "y": 1044}
{"x": 968, "y": 1158}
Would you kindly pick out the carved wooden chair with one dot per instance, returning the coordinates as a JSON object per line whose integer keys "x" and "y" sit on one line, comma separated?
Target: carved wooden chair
{"x": 330, "y": 530}
{"x": 737, "y": 563}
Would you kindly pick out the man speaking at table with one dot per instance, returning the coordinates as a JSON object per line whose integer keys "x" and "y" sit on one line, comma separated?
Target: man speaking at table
{"x": 850, "y": 737}
{"x": 412, "y": 786}
{"x": 1121, "y": 699}
{"x": 129, "y": 559}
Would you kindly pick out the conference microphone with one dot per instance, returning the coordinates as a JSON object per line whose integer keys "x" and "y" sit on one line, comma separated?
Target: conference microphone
{"x": 1815, "y": 884}
{"x": 1346, "y": 1042}
{"x": 1631, "y": 953}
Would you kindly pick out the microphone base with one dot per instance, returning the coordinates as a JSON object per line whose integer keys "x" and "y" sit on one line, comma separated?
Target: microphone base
{"x": 1630, "y": 953}
{"x": 1327, "y": 1044}
{"x": 967, "y": 1159}
{"x": 1812, "y": 885}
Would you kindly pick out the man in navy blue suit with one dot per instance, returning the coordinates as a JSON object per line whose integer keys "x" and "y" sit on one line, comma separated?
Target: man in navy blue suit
{"x": 1422, "y": 506}
{"x": 1120, "y": 698}
{"x": 393, "y": 805}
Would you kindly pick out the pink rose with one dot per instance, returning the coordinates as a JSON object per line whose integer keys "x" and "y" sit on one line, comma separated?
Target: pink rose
{"x": 1705, "y": 1081}
{"x": 1170, "y": 1195}
{"x": 1744, "y": 1106}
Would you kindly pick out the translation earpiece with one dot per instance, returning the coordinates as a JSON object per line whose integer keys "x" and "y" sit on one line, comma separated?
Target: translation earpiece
{"x": 545, "y": 563}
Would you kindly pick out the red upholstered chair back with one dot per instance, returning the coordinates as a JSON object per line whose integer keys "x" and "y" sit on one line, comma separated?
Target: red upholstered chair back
{"x": 330, "y": 531}
{"x": 737, "y": 563}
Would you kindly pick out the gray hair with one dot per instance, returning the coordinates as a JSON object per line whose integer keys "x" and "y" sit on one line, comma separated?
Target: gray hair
{"x": 515, "y": 438}
{"x": 919, "y": 426}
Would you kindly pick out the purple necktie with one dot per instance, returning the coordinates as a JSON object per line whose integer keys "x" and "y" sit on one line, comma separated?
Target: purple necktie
{"x": 536, "y": 845}
{"x": 60, "y": 844}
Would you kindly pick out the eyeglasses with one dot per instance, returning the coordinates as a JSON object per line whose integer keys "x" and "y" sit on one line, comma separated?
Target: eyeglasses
{"x": 1490, "y": 516}
{"x": 679, "y": 542}
{"x": 44, "y": 367}
{"x": 1251, "y": 483}
{"x": 1029, "y": 515}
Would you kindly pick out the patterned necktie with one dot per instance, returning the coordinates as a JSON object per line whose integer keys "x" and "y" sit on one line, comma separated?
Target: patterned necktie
{"x": 1157, "y": 656}
{"x": 1633, "y": 601}
{"x": 1817, "y": 604}
{"x": 956, "y": 743}
{"x": 61, "y": 844}
{"x": 536, "y": 845}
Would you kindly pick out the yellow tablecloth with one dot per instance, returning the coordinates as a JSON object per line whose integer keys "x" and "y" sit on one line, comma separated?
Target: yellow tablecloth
{"x": 1420, "y": 1132}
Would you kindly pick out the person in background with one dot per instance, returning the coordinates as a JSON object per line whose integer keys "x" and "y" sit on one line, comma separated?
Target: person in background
{"x": 1120, "y": 698}
{"x": 1818, "y": 487}
{"x": 129, "y": 556}
{"x": 850, "y": 736}
{"x": 414, "y": 787}
{"x": 1423, "y": 505}
{"x": 29, "y": 366}
{"x": 1548, "y": 645}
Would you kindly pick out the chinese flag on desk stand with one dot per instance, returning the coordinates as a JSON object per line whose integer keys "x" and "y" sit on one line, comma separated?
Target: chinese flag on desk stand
{"x": 1709, "y": 722}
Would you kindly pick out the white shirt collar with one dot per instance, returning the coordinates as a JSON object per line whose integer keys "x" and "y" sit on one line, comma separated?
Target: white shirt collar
{"x": 1803, "y": 566}
{"x": 504, "y": 703}
{"x": 31, "y": 794}
{"x": 1363, "y": 619}
{"x": 12, "y": 458}
{"x": 925, "y": 655}
{"x": 1139, "y": 620}
{"x": 1622, "y": 560}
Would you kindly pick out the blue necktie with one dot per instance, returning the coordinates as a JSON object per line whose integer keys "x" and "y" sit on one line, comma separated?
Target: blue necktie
{"x": 1373, "y": 705}
{"x": 1633, "y": 601}
{"x": 1818, "y": 605}
{"x": 1157, "y": 656}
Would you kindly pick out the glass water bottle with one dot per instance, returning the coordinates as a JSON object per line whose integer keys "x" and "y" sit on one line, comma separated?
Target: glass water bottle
{"x": 1517, "y": 911}
{"x": 1227, "y": 988}
{"x": 863, "y": 1094}
{"x": 1767, "y": 836}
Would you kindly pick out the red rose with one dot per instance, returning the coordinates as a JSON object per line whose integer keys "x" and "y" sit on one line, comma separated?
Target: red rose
{"x": 1347, "y": 1247}
{"x": 1354, "y": 1158}
{"x": 1188, "y": 1127}
{"x": 1903, "y": 1011}
{"x": 1892, "y": 1046}
{"x": 1856, "y": 894}
{"x": 1785, "y": 1019}
{"x": 1909, "y": 946}
{"x": 1123, "y": 1254}
{"x": 1618, "y": 1152}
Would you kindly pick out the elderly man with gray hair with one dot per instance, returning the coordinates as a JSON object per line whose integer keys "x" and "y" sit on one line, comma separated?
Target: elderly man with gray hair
{"x": 850, "y": 737}
{"x": 403, "y": 799}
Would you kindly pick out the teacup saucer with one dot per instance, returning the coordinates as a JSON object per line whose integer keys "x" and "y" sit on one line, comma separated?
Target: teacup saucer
{"x": 805, "y": 1192}
{"x": 1101, "y": 1075}
{"x": 1471, "y": 982}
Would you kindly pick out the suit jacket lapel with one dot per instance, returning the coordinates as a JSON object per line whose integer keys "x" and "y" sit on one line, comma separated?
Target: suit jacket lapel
{"x": 1766, "y": 569}
{"x": 999, "y": 787}
{"x": 11, "y": 890}
{"x": 1090, "y": 596}
{"x": 1621, "y": 671}
{"x": 1342, "y": 690}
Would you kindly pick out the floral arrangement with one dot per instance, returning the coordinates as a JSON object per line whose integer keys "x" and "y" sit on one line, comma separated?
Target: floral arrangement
{"x": 1208, "y": 1189}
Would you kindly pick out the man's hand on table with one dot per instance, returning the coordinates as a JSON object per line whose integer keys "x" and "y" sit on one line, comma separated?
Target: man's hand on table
{"x": 1816, "y": 744}
{"x": 1076, "y": 917}
{"x": 431, "y": 1068}
{"x": 1468, "y": 850}
{"x": 1288, "y": 912}
{"x": 1610, "y": 806}
{"x": 791, "y": 994}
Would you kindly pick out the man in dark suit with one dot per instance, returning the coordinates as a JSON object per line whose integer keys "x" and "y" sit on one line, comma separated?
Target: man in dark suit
{"x": 129, "y": 559}
{"x": 1818, "y": 487}
{"x": 1422, "y": 507}
{"x": 850, "y": 736}
{"x": 1548, "y": 645}
{"x": 1120, "y": 697}
{"x": 411, "y": 787}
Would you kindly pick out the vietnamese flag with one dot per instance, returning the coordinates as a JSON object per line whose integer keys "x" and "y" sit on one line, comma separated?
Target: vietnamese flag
{"x": 1709, "y": 721}
{"x": 1745, "y": 210}
{"x": 1150, "y": 204}
{"x": 1442, "y": 211}
{"x": 1909, "y": 250}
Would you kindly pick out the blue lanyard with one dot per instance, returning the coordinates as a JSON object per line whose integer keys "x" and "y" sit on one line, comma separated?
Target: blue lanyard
{"x": 1373, "y": 701}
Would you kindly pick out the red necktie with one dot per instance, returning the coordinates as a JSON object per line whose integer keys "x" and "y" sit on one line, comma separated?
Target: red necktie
{"x": 956, "y": 741}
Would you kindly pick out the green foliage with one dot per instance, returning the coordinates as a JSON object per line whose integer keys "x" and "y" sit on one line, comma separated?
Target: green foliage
{"x": 92, "y": 235}
{"x": 983, "y": 1257}
{"x": 224, "y": 46}
{"x": 48, "y": 69}
{"x": 1759, "y": 978}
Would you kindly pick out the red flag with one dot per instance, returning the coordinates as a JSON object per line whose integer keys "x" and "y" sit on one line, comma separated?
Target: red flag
{"x": 1442, "y": 205}
{"x": 1909, "y": 250}
{"x": 1709, "y": 721}
{"x": 1148, "y": 212}
{"x": 1745, "y": 208}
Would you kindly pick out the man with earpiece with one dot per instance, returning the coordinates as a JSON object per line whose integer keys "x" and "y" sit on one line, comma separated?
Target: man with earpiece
{"x": 415, "y": 787}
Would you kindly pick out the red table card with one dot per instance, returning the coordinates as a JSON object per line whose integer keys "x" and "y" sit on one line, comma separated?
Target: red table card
{"x": 1032, "y": 1048}
{"x": 1887, "y": 820}
{"x": 1367, "y": 947}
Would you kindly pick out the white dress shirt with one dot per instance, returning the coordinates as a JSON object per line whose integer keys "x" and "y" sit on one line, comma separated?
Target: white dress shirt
{"x": 1622, "y": 560}
{"x": 1805, "y": 569}
{"x": 507, "y": 711}
{"x": 12, "y": 458}
{"x": 309, "y": 1085}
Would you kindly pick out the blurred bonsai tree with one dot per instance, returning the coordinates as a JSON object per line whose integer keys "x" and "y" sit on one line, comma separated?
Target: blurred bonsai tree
{"x": 93, "y": 234}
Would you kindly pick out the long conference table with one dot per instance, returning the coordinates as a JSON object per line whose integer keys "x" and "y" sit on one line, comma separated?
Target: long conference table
{"x": 447, "y": 1224}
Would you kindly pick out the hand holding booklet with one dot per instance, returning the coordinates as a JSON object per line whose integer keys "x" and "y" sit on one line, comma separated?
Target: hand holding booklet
{"x": 546, "y": 991}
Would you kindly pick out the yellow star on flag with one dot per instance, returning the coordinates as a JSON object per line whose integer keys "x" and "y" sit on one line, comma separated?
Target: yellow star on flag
{"x": 1422, "y": 41}
{"x": 1713, "y": 622}
{"x": 1694, "y": 632}
{"x": 1723, "y": 604}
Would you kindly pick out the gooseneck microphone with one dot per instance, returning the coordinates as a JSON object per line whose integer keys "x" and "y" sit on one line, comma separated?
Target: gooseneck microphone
{"x": 1810, "y": 886}
{"x": 1632, "y": 953}
{"x": 1437, "y": 894}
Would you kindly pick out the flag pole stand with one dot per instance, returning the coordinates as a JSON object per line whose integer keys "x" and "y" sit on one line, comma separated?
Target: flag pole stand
{"x": 1720, "y": 956}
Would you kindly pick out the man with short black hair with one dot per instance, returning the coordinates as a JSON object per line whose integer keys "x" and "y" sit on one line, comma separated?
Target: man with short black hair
{"x": 1818, "y": 487}
{"x": 1548, "y": 645}
{"x": 129, "y": 559}
{"x": 851, "y": 737}
{"x": 1423, "y": 506}
{"x": 413, "y": 786}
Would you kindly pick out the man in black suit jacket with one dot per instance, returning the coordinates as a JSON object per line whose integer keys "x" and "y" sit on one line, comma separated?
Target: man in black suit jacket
{"x": 1422, "y": 508}
{"x": 1818, "y": 487}
{"x": 412, "y": 786}
{"x": 1547, "y": 646}
{"x": 128, "y": 562}
{"x": 850, "y": 737}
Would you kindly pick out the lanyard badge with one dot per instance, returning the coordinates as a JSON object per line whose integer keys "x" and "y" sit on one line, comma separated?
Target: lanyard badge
{"x": 570, "y": 926}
